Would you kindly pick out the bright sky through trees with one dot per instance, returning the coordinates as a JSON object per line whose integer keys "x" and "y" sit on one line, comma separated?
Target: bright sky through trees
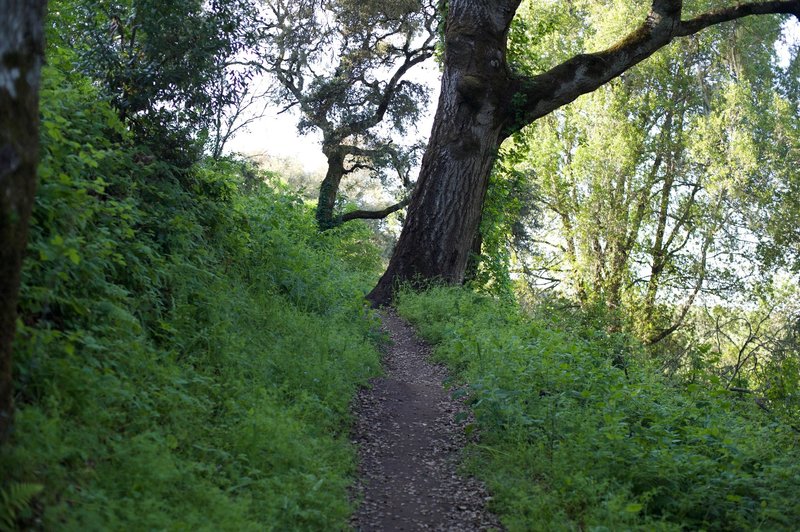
{"x": 276, "y": 134}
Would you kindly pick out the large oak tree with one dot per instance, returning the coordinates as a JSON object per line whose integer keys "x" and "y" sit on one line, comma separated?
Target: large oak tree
{"x": 21, "y": 52}
{"x": 483, "y": 100}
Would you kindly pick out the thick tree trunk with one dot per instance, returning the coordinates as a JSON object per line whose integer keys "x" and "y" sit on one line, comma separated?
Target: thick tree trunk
{"x": 481, "y": 103}
{"x": 21, "y": 51}
{"x": 470, "y": 123}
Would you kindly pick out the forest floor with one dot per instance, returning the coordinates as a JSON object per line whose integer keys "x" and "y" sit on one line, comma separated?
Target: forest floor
{"x": 410, "y": 444}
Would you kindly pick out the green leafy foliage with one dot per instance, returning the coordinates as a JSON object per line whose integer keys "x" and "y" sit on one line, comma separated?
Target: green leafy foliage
{"x": 171, "y": 69}
{"x": 665, "y": 195}
{"x": 15, "y": 499}
{"x": 509, "y": 214}
{"x": 578, "y": 431}
{"x": 187, "y": 352}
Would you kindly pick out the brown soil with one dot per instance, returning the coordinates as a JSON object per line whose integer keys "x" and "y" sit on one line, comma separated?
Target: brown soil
{"x": 409, "y": 446}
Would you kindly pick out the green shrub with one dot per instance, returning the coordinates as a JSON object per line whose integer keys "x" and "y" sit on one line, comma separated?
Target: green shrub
{"x": 187, "y": 352}
{"x": 572, "y": 439}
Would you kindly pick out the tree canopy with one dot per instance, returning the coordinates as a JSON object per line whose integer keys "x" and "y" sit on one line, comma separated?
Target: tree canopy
{"x": 485, "y": 98}
{"x": 170, "y": 68}
{"x": 344, "y": 67}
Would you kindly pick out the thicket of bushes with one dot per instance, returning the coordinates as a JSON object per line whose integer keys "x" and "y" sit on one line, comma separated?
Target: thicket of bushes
{"x": 188, "y": 343}
{"x": 578, "y": 431}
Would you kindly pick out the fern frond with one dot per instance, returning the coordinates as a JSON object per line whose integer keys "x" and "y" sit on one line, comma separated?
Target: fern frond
{"x": 14, "y": 499}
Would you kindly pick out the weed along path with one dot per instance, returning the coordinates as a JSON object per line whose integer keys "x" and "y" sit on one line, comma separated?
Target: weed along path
{"x": 409, "y": 446}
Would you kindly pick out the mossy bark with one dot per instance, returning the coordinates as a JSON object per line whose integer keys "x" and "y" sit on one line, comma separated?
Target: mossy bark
{"x": 326, "y": 215}
{"x": 21, "y": 51}
{"x": 329, "y": 190}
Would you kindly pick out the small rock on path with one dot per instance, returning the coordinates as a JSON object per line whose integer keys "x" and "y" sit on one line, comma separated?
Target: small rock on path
{"x": 409, "y": 446}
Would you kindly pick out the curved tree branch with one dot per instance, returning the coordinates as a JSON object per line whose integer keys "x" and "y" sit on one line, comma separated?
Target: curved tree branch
{"x": 692, "y": 26}
{"x": 586, "y": 72}
{"x": 394, "y": 84}
{"x": 374, "y": 215}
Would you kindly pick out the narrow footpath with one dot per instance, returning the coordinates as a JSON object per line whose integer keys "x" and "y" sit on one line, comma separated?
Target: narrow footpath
{"x": 409, "y": 446}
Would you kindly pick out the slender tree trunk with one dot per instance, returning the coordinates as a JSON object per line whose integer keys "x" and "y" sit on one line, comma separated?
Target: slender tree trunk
{"x": 21, "y": 52}
{"x": 474, "y": 261}
{"x": 624, "y": 244}
{"x": 326, "y": 215}
{"x": 329, "y": 189}
{"x": 571, "y": 255}
{"x": 619, "y": 267}
{"x": 469, "y": 126}
{"x": 658, "y": 253}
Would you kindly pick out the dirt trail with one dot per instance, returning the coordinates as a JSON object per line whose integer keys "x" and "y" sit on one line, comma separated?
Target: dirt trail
{"x": 409, "y": 446}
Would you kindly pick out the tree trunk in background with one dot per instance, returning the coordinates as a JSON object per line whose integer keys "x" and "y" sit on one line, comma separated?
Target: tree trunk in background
{"x": 21, "y": 53}
{"x": 329, "y": 189}
{"x": 470, "y": 123}
{"x": 474, "y": 260}
{"x": 326, "y": 215}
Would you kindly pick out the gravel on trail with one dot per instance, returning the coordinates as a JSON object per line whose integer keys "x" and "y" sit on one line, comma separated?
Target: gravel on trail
{"x": 409, "y": 446}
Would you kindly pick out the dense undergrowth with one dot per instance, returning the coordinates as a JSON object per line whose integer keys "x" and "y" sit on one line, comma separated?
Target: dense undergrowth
{"x": 188, "y": 343}
{"x": 579, "y": 432}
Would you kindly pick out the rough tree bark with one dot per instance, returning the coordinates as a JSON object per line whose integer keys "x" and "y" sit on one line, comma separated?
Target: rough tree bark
{"x": 482, "y": 101}
{"x": 21, "y": 51}
{"x": 471, "y": 121}
{"x": 338, "y": 169}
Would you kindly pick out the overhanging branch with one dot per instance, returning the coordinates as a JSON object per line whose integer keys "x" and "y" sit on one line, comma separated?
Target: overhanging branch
{"x": 586, "y": 72}
{"x": 692, "y": 26}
